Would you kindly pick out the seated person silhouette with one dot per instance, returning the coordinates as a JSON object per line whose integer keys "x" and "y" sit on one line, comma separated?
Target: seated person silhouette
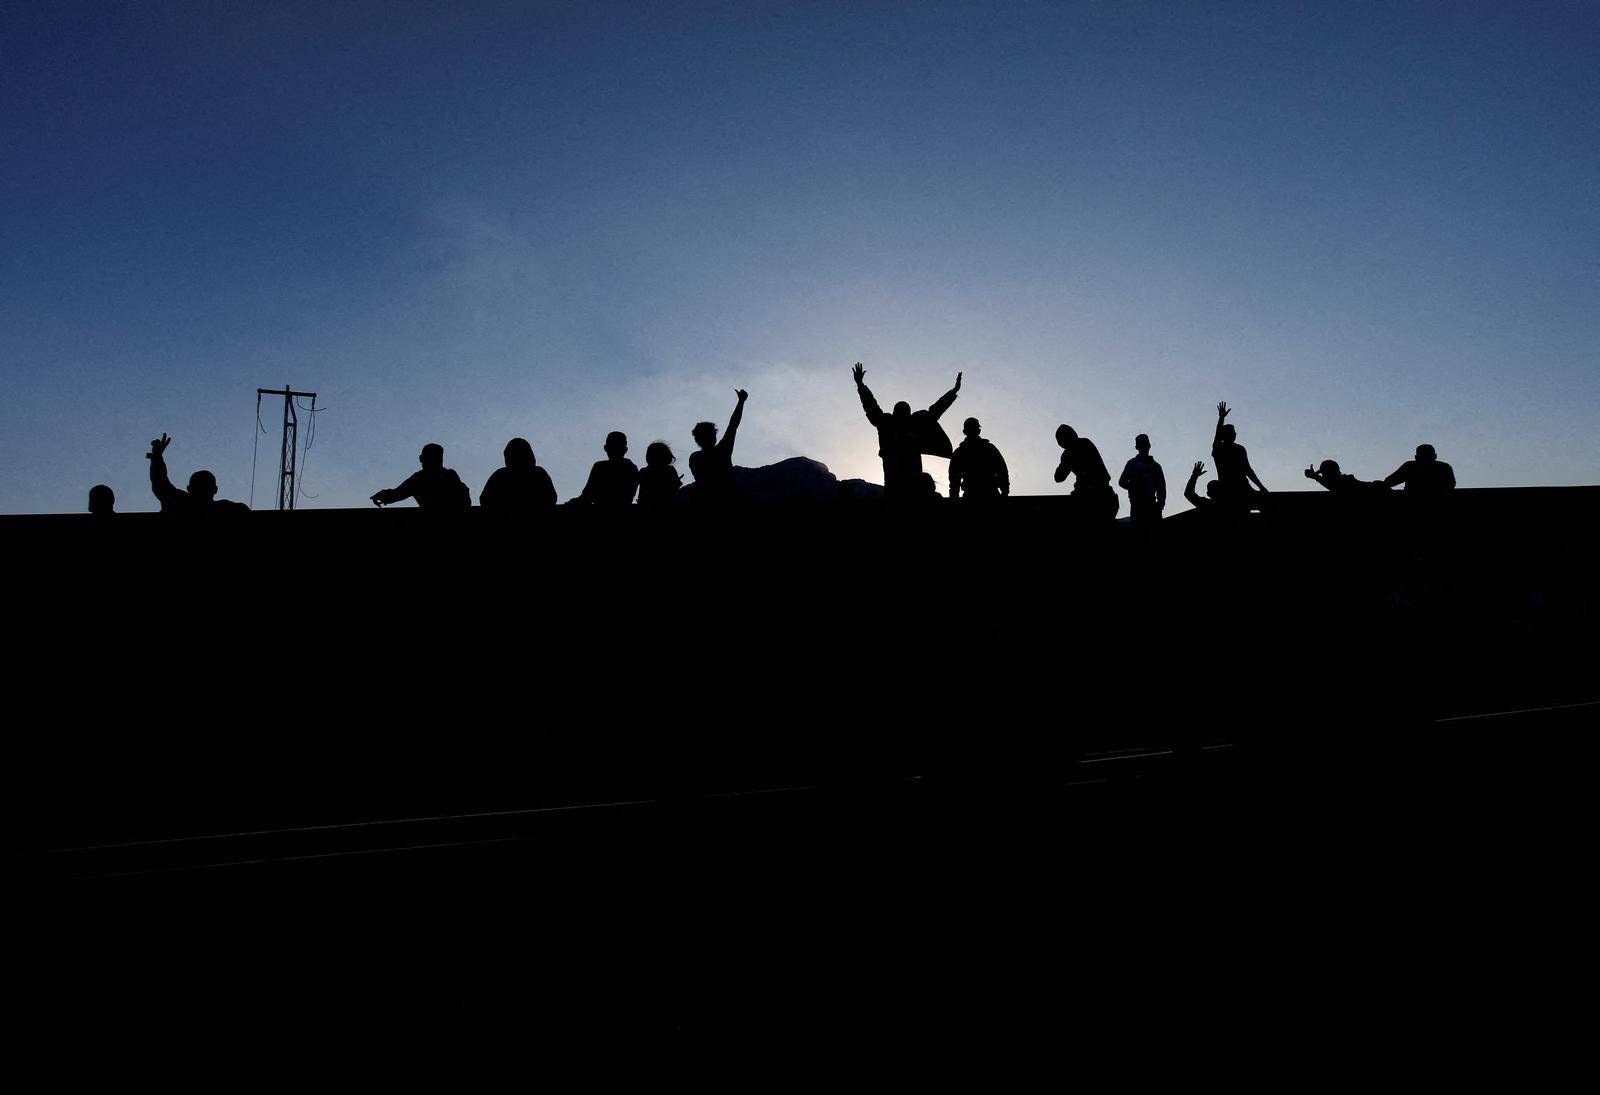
{"x": 904, "y": 437}
{"x": 521, "y": 485}
{"x": 712, "y": 464}
{"x": 1426, "y": 474}
{"x": 1208, "y": 504}
{"x": 659, "y": 481}
{"x": 1145, "y": 483}
{"x": 1092, "y": 496}
{"x": 435, "y": 487}
{"x": 201, "y": 497}
{"x": 1234, "y": 473}
{"x": 977, "y": 470}
{"x": 613, "y": 480}
{"x": 102, "y": 501}
{"x": 1331, "y": 478}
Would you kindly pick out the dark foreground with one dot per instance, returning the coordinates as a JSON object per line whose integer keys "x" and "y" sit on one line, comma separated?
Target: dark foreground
{"x": 824, "y": 770}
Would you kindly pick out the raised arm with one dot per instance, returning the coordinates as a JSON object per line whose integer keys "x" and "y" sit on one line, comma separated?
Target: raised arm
{"x": 868, "y": 404}
{"x": 1216, "y": 438}
{"x": 160, "y": 484}
{"x": 726, "y": 444}
{"x": 942, "y": 404}
{"x": 1188, "y": 489}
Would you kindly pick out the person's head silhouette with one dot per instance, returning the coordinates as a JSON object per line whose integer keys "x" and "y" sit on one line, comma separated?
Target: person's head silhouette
{"x": 1426, "y": 455}
{"x": 1211, "y": 489}
{"x": 518, "y": 454}
{"x": 659, "y": 454}
{"x": 705, "y": 435}
{"x": 1329, "y": 469}
{"x": 616, "y": 444}
{"x": 203, "y": 486}
{"x": 1142, "y": 444}
{"x": 1065, "y": 435}
{"x": 431, "y": 457}
{"x": 902, "y": 410}
{"x": 1228, "y": 433}
{"x": 971, "y": 427}
{"x": 102, "y": 501}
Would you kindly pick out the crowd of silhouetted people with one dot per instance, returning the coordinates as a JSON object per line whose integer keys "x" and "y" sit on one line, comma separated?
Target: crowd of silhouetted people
{"x": 977, "y": 470}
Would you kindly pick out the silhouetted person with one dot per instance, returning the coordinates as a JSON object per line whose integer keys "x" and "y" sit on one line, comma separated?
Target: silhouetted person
{"x": 659, "y": 481}
{"x": 1328, "y": 475}
{"x": 522, "y": 485}
{"x": 1092, "y": 495}
{"x": 613, "y": 480}
{"x": 712, "y": 464}
{"x": 201, "y": 497}
{"x": 1234, "y": 473}
{"x": 435, "y": 487}
{"x": 904, "y": 437}
{"x": 977, "y": 470}
{"x": 1145, "y": 483}
{"x": 1426, "y": 474}
{"x": 1208, "y": 504}
{"x": 102, "y": 501}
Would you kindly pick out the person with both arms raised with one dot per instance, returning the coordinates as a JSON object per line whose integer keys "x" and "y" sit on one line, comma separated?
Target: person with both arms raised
{"x": 904, "y": 437}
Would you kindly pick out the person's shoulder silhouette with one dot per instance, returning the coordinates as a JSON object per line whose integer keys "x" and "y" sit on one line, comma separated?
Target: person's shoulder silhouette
{"x": 201, "y": 497}
{"x": 435, "y": 487}
{"x": 659, "y": 481}
{"x": 521, "y": 485}
{"x": 612, "y": 481}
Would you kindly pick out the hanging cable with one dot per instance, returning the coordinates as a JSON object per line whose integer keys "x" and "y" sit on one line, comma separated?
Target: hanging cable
{"x": 255, "y": 448}
{"x": 305, "y": 450}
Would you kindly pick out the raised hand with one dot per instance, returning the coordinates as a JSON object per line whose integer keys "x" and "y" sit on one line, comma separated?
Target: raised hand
{"x": 858, "y": 372}
{"x": 1222, "y": 410}
{"x": 158, "y": 446}
{"x": 957, "y": 388}
{"x": 742, "y": 394}
{"x": 1311, "y": 471}
{"x": 1199, "y": 469}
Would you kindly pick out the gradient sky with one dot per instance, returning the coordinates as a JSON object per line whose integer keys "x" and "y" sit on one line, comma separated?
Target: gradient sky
{"x": 1363, "y": 225}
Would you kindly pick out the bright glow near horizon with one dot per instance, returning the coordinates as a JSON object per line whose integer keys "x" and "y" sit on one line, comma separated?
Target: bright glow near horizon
{"x": 1363, "y": 225}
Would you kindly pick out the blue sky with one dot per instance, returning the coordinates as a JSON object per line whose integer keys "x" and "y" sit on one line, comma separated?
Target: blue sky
{"x": 1363, "y": 225}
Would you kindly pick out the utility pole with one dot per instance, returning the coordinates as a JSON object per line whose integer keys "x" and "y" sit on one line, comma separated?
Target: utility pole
{"x": 291, "y": 434}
